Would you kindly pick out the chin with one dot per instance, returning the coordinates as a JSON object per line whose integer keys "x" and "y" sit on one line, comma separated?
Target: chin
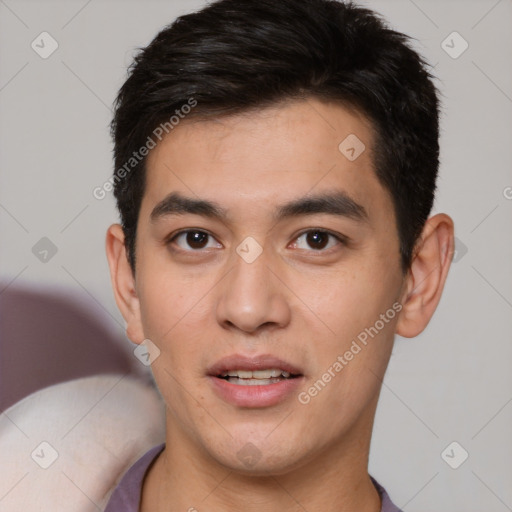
{"x": 263, "y": 458}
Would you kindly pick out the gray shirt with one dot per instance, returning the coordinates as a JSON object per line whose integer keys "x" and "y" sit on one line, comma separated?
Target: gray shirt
{"x": 126, "y": 496}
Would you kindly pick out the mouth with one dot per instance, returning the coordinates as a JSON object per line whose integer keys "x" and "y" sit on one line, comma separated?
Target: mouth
{"x": 257, "y": 377}
{"x": 252, "y": 382}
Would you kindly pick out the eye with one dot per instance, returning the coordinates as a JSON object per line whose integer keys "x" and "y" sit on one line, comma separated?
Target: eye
{"x": 194, "y": 239}
{"x": 318, "y": 239}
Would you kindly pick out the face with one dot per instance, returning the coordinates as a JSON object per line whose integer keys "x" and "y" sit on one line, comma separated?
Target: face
{"x": 262, "y": 245}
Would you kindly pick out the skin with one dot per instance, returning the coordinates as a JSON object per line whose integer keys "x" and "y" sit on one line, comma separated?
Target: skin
{"x": 300, "y": 302}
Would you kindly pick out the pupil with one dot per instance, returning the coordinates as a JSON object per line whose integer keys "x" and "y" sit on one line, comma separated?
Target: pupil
{"x": 317, "y": 239}
{"x": 197, "y": 239}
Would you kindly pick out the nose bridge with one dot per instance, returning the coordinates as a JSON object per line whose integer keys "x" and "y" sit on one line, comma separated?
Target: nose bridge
{"x": 251, "y": 295}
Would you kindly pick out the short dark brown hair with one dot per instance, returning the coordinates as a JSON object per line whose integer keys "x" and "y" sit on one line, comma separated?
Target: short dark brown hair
{"x": 237, "y": 55}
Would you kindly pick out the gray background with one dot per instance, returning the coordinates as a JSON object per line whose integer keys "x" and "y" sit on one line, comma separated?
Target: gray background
{"x": 451, "y": 383}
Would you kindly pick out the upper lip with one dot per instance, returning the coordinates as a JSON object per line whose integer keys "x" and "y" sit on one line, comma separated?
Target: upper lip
{"x": 253, "y": 363}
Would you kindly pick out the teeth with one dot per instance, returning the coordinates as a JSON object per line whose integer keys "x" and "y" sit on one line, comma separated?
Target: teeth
{"x": 253, "y": 382}
{"x": 242, "y": 374}
{"x": 265, "y": 374}
{"x": 257, "y": 374}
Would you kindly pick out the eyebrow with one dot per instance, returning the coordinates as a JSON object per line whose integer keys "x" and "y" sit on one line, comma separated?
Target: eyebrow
{"x": 336, "y": 203}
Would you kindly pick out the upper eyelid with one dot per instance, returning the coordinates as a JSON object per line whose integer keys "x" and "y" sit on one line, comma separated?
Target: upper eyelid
{"x": 173, "y": 236}
{"x": 343, "y": 240}
{"x": 339, "y": 236}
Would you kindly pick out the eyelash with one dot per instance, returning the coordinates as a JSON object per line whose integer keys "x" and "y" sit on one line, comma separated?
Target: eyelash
{"x": 340, "y": 238}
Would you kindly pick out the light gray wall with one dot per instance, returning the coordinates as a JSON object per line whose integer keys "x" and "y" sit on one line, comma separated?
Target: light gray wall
{"x": 453, "y": 382}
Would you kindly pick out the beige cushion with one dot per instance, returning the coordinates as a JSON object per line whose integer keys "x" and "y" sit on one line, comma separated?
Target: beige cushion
{"x": 65, "y": 447}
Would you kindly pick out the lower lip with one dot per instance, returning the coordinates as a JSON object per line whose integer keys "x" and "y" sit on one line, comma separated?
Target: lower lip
{"x": 255, "y": 396}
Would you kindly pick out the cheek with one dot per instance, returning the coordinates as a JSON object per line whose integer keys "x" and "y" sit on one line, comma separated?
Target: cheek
{"x": 355, "y": 314}
{"x": 345, "y": 302}
{"x": 172, "y": 302}
{"x": 176, "y": 315}
{"x": 349, "y": 376}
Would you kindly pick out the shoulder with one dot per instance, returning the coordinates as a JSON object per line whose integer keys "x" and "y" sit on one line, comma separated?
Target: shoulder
{"x": 387, "y": 504}
{"x": 126, "y": 496}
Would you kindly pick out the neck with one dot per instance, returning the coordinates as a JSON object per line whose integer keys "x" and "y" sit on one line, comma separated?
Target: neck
{"x": 185, "y": 478}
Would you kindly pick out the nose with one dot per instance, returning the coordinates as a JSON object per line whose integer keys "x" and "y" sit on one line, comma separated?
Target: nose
{"x": 252, "y": 297}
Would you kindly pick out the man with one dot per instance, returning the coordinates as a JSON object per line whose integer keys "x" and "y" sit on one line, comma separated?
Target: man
{"x": 276, "y": 165}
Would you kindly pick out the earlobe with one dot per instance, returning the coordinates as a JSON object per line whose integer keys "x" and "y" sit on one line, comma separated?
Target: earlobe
{"x": 123, "y": 283}
{"x": 427, "y": 276}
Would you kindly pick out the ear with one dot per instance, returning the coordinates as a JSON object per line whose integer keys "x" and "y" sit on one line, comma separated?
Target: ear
{"x": 427, "y": 275}
{"x": 123, "y": 283}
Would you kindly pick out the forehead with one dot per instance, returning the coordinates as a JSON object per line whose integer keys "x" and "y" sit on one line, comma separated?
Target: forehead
{"x": 264, "y": 158}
